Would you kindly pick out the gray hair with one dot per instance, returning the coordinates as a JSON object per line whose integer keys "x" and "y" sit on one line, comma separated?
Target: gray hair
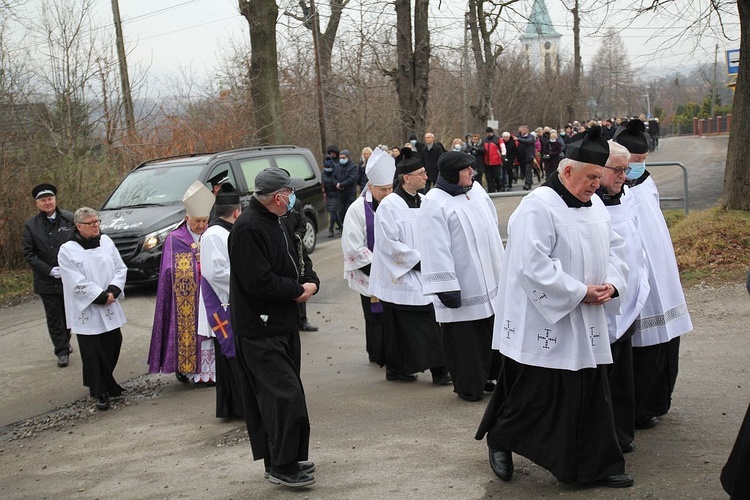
{"x": 84, "y": 213}
{"x": 617, "y": 151}
{"x": 577, "y": 165}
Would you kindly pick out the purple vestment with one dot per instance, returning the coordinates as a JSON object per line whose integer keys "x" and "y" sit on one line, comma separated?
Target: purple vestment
{"x": 175, "y": 343}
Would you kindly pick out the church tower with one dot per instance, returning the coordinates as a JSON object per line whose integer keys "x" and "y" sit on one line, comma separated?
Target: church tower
{"x": 540, "y": 40}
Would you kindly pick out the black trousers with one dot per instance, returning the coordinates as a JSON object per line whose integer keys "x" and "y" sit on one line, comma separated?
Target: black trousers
{"x": 621, "y": 387}
{"x": 228, "y": 393}
{"x": 54, "y": 310}
{"x": 494, "y": 180}
{"x": 655, "y": 373}
{"x": 373, "y": 331}
{"x": 469, "y": 355}
{"x": 99, "y": 355}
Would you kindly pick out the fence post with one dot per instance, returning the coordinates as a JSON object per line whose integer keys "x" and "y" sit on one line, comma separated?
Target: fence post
{"x": 729, "y": 122}
{"x": 695, "y": 126}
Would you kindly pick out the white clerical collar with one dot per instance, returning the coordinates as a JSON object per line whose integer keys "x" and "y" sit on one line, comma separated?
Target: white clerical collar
{"x": 196, "y": 236}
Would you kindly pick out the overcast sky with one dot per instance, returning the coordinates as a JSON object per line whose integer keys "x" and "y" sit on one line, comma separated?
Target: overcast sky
{"x": 169, "y": 34}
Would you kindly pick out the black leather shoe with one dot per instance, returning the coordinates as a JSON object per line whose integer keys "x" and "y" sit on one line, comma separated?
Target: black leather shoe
{"x": 441, "y": 376}
{"x": 102, "y": 403}
{"x": 646, "y": 422}
{"x": 489, "y": 386}
{"x": 469, "y": 397}
{"x": 628, "y": 448}
{"x": 615, "y": 481}
{"x": 399, "y": 377}
{"x": 307, "y": 327}
{"x": 501, "y": 463}
{"x": 181, "y": 377}
{"x": 62, "y": 361}
{"x": 298, "y": 479}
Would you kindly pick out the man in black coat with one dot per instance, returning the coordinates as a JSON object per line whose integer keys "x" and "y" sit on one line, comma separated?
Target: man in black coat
{"x": 526, "y": 153}
{"x": 270, "y": 276}
{"x": 430, "y": 154}
{"x": 42, "y": 237}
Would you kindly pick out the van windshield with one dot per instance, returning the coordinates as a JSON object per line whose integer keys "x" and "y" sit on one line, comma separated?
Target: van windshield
{"x": 154, "y": 186}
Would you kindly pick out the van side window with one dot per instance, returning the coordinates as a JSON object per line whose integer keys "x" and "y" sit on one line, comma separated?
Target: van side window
{"x": 296, "y": 165}
{"x": 251, "y": 168}
{"x": 221, "y": 173}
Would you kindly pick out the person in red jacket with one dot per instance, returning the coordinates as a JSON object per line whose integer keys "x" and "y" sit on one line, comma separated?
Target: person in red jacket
{"x": 494, "y": 154}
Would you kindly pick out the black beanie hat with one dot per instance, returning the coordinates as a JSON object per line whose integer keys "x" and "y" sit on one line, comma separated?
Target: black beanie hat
{"x": 452, "y": 162}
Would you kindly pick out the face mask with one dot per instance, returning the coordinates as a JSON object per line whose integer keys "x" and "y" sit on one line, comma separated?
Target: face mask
{"x": 413, "y": 142}
{"x": 291, "y": 201}
{"x": 636, "y": 170}
{"x": 343, "y": 161}
{"x": 457, "y": 148}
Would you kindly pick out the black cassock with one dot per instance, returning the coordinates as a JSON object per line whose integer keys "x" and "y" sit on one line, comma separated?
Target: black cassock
{"x": 273, "y": 397}
{"x": 228, "y": 394}
{"x": 559, "y": 419}
{"x": 411, "y": 339}
{"x": 734, "y": 476}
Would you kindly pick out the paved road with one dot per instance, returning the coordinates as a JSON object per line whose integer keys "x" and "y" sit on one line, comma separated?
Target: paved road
{"x": 371, "y": 438}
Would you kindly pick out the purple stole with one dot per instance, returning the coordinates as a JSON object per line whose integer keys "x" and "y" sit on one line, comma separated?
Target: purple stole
{"x": 375, "y": 307}
{"x": 218, "y": 319}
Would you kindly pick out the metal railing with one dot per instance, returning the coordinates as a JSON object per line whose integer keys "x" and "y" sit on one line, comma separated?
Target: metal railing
{"x": 684, "y": 198}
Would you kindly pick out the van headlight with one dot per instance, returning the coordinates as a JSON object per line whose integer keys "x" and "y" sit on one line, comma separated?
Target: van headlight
{"x": 153, "y": 240}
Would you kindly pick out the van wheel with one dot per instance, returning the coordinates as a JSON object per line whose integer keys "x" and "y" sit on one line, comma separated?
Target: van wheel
{"x": 311, "y": 237}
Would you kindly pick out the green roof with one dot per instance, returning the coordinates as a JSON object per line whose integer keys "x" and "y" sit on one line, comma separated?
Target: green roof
{"x": 540, "y": 24}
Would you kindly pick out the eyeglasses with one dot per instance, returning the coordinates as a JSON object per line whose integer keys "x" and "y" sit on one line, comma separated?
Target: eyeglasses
{"x": 619, "y": 170}
{"x": 92, "y": 223}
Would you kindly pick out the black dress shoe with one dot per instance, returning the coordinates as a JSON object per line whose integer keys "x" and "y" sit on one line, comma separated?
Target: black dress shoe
{"x": 181, "y": 377}
{"x": 469, "y": 397}
{"x": 62, "y": 360}
{"x": 489, "y": 386}
{"x": 441, "y": 376}
{"x": 628, "y": 448}
{"x": 307, "y": 327}
{"x": 501, "y": 463}
{"x": 298, "y": 479}
{"x": 615, "y": 481}
{"x": 646, "y": 422}
{"x": 102, "y": 403}
{"x": 399, "y": 377}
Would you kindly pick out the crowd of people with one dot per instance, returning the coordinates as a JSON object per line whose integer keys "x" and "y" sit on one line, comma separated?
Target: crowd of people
{"x": 573, "y": 328}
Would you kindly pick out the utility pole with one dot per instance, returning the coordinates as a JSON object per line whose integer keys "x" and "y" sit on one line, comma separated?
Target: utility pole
{"x": 127, "y": 98}
{"x": 465, "y": 74}
{"x": 319, "y": 77}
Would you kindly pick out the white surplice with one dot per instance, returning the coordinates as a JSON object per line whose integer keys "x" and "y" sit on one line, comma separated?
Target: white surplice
{"x": 461, "y": 250}
{"x": 354, "y": 245}
{"x": 215, "y": 268}
{"x": 393, "y": 278}
{"x": 625, "y": 223}
{"x": 665, "y": 314}
{"x": 85, "y": 275}
{"x": 553, "y": 253}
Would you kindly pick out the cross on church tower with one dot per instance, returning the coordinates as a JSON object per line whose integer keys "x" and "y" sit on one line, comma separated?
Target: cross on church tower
{"x": 593, "y": 335}
{"x": 507, "y": 329}
{"x": 546, "y": 338}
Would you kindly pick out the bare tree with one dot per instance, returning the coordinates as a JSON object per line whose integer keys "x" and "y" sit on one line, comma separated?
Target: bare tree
{"x": 483, "y": 19}
{"x": 412, "y": 72}
{"x": 264, "y": 73}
